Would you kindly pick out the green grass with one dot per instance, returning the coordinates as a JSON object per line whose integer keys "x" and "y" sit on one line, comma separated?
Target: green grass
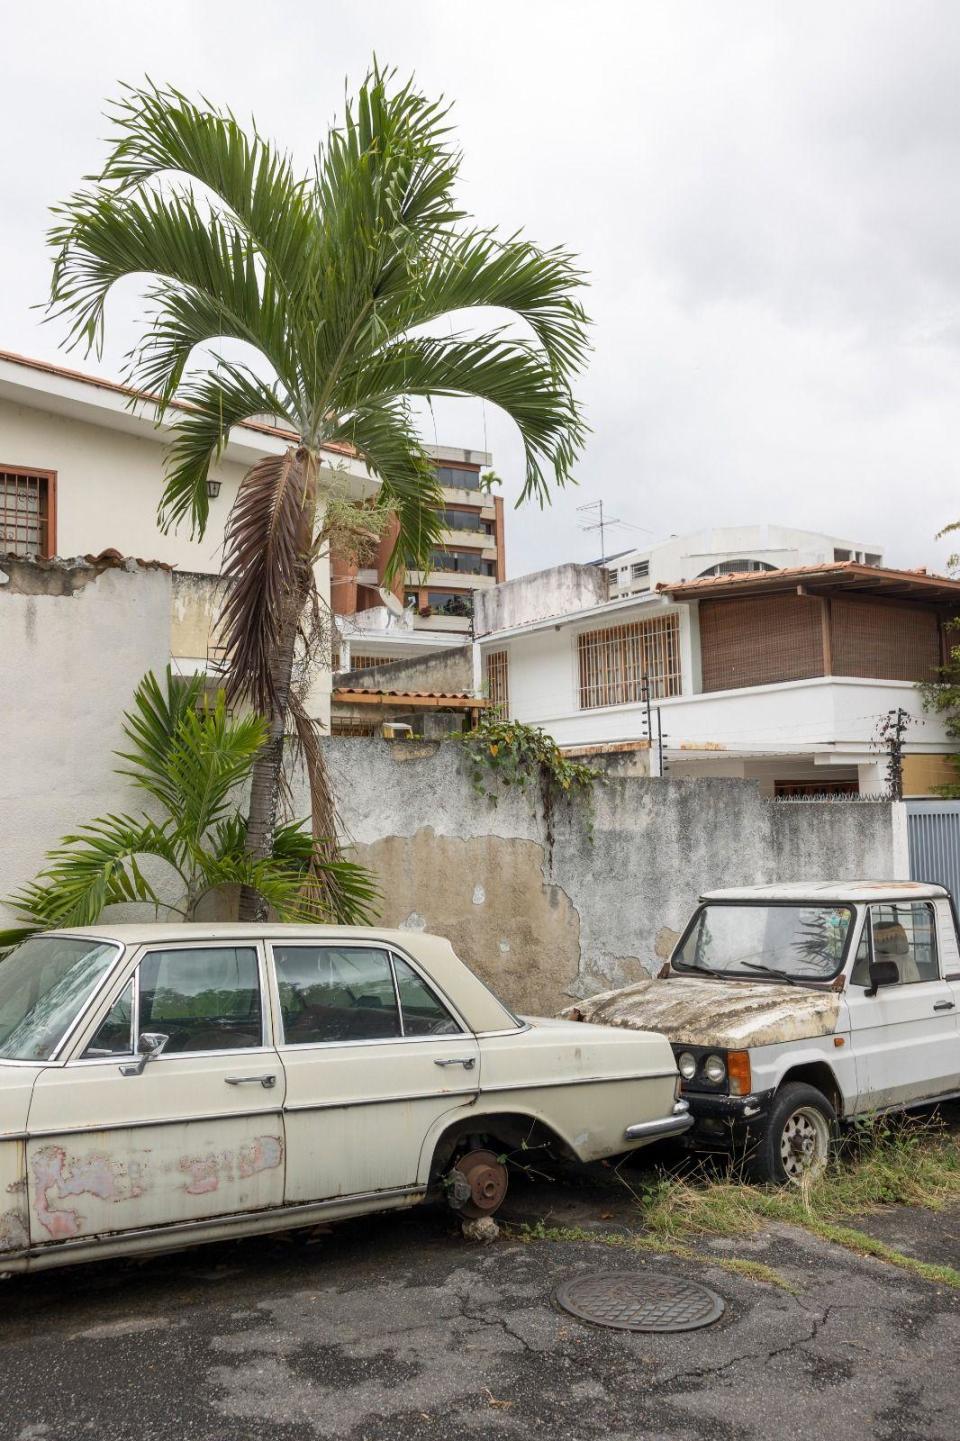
{"x": 905, "y": 1163}
{"x": 886, "y": 1163}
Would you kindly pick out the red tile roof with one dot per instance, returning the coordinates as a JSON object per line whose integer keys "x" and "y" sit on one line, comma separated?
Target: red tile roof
{"x": 849, "y": 574}
{"x": 353, "y": 693}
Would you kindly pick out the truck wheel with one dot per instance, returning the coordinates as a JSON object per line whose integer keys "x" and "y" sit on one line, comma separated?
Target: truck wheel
{"x": 796, "y": 1140}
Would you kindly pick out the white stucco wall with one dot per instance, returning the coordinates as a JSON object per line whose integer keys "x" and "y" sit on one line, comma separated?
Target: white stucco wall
{"x": 69, "y": 664}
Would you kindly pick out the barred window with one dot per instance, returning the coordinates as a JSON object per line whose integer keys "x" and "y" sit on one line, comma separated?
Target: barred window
{"x": 366, "y": 662}
{"x": 496, "y": 663}
{"x": 614, "y": 662}
{"x": 27, "y": 512}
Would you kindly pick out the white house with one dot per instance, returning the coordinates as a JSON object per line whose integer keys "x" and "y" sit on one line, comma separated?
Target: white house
{"x": 782, "y": 676}
{"x": 727, "y": 550}
{"x": 81, "y": 472}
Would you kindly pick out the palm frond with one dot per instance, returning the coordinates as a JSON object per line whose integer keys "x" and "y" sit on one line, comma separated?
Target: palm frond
{"x": 210, "y": 755}
{"x": 151, "y": 726}
{"x": 95, "y": 868}
{"x": 213, "y": 404}
{"x": 269, "y": 540}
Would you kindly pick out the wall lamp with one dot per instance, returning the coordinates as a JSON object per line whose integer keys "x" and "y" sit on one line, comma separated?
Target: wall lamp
{"x": 213, "y": 488}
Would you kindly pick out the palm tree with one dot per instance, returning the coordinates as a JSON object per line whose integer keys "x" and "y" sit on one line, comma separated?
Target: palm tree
{"x": 335, "y": 279}
{"x": 189, "y": 758}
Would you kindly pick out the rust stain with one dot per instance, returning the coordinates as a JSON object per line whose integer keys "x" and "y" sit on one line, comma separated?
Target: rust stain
{"x": 92, "y": 1175}
{"x": 263, "y": 1153}
{"x": 13, "y": 1232}
{"x": 715, "y": 1013}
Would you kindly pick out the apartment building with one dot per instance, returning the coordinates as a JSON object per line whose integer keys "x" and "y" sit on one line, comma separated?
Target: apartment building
{"x": 424, "y": 611}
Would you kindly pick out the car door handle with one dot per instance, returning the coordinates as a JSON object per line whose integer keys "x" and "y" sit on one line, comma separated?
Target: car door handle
{"x": 467, "y": 1062}
{"x": 265, "y": 1081}
{"x": 944, "y": 1006}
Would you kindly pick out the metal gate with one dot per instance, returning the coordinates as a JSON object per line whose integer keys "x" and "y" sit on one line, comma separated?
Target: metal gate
{"x": 933, "y": 836}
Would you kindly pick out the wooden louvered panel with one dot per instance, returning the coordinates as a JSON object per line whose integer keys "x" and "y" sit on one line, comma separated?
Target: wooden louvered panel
{"x": 760, "y": 640}
{"x": 614, "y": 662}
{"x": 884, "y": 641}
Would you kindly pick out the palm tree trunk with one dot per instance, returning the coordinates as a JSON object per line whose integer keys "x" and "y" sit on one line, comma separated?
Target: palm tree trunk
{"x": 265, "y": 778}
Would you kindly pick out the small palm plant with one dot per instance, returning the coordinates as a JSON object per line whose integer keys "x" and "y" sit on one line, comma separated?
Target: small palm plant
{"x": 191, "y": 759}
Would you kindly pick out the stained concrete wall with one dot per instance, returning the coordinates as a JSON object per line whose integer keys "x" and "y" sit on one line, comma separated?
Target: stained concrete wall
{"x": 449, "y": 671}
{"x": 557, "y": 591}
{"x": 593, "y": 898}
{"x": 74, "y": 643}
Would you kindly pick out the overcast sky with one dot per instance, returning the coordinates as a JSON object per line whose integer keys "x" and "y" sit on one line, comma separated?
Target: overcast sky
{"x": 766, "y": 197}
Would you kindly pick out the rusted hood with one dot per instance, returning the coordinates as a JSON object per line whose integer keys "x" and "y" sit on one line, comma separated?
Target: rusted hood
{"x": 702, "y": 1012}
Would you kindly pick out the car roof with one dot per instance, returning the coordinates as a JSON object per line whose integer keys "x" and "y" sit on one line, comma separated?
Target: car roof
{"x": 478, "y": 1005}
{"x": 827, "y": 892}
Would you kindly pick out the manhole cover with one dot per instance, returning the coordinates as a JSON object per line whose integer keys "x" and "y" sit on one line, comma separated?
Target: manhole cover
{"x": 639, "y": 1301}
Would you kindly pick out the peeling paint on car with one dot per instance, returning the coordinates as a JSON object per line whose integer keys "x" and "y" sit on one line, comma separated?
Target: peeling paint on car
{"x": 715, "y": 1013}
{"x": 13, "y": 1232}
{"x": 263, "y": 1153}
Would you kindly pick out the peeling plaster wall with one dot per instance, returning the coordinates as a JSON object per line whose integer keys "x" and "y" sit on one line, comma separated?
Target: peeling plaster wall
{"x": 599, "y": 908}
{"x": 74, "y": 643}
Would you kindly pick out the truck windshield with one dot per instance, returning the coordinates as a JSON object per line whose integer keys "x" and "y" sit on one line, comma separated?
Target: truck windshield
{"x": 752, "y": 942}
{"x": 43, "y": 984}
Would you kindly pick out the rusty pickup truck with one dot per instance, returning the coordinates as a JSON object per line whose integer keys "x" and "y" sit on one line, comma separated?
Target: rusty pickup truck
{"x": 792, "y": 1009}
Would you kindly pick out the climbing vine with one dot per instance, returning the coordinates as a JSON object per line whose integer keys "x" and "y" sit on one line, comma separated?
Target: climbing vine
{"x": 516, "y": 755}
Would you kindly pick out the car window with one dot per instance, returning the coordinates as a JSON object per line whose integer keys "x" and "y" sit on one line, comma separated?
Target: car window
{"x": 335, "y": 993}
{"x": 44, "y": 985}
{"x": 860, "y": 975}
{"x": 906, "y": 934}
{"x": 203, "y": 998}
{"x": 114, "y": 1035}
{"x": 423, "y": 1014}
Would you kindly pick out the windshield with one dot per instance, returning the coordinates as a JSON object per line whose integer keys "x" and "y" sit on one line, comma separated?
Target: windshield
{"x": 43, "y": 985}
{"x": 804, "y": 943}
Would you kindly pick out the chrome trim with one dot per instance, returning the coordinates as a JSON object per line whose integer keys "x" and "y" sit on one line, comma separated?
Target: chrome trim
{"x": 267, "y": 1082}
{"x": 467, "y": 1062}
{"x": 261, "y": 1219}
{"x": 139, "y": 1125}
{"x": 298, "y": 1107}
{"x": 681, "y": 1120}
{"x": 576, "y": 1081}
{"x": 298, "y": 1047}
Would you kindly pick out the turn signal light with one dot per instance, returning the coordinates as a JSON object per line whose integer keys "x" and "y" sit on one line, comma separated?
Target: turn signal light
{"x": 738, "y": 1070}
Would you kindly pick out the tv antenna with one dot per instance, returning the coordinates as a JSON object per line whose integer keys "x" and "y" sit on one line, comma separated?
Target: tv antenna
{"x": 597, "y": 521}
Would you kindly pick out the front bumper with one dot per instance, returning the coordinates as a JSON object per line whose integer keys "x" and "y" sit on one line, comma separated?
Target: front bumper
{"x": 723, "y": 1123}
{"x": 673, "y": 1125}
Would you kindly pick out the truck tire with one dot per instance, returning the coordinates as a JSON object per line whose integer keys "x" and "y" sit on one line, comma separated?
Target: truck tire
{"x": 797, "y": 1138}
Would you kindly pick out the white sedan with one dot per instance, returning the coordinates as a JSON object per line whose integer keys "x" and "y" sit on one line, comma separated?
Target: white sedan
{"x": 165, "y": 1085}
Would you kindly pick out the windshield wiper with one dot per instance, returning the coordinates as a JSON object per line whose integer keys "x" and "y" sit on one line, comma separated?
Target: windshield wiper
{"x": 700, "y": 970}
{"x": 769, "y": 971}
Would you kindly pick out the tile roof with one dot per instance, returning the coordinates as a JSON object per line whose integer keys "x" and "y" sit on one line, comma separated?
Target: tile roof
{"x": 348, "y": 693}
{"x": 848, "y": 573}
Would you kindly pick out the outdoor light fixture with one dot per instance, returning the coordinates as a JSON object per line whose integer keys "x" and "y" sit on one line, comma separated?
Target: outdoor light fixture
{"x": 213, "y": 488}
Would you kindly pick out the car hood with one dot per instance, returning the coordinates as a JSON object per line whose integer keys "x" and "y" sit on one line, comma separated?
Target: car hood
{"x": 701, "y": 1012}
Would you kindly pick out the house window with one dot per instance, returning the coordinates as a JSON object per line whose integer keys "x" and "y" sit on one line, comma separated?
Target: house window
{"x": 364, "y": 662}
{"x": 615, "y": 662}
{"x": 640, "y": 570}
{"x": 842, "y": 554}
{"x": 27, "y": 511}
{"x": 496, "y": 663}
{"x": 452, "y": 476}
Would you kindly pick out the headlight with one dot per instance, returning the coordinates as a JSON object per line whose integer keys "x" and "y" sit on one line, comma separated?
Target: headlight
{"x": 687, "y": 1065}
{"x": 715, "y": 1070}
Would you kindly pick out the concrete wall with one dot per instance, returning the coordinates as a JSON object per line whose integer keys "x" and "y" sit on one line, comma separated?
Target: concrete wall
{"x": 593, "y": 898}
{"x": 74, "y": 643}
{"x": 558, "y": 591}
{"x": 448, "y": 671}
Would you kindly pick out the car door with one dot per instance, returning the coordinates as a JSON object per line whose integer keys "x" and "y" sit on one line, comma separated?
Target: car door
{"x": 116, "y": 1143}
{"x": 373, "y": 1056}
{"x": 905, "y": 1038}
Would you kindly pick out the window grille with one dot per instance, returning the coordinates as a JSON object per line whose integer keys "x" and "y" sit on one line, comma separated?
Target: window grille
{"x": 364, "y": 662}
{"x": 496, "y": 663}
{"x": 614, "y": 662}
{"x": 640, "y": 570}
{"x": 26, "y": 513}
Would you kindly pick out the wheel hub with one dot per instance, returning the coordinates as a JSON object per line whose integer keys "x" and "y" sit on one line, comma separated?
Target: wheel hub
{"x": 485, "y": 1177}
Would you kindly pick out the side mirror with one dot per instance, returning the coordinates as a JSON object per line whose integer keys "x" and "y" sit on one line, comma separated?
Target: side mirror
{"x": 882, "y": 973}
{"x": 149, "y": 1046}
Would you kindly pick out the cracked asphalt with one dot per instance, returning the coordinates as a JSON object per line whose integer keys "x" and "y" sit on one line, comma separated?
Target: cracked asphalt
{"x": 395, "y": 1327}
